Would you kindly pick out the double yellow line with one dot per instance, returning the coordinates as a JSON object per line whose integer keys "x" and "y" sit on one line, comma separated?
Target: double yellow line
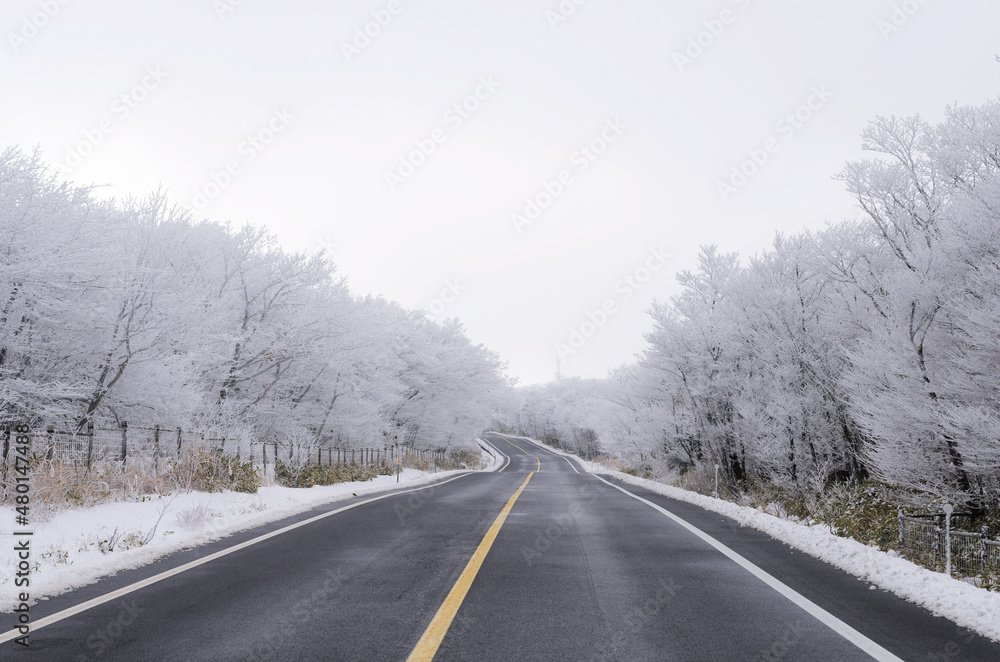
{"x": 525, "y": 452}
{"x": 434, "y": 634}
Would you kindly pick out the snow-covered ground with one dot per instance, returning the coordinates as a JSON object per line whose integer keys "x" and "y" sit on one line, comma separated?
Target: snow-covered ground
{"x": 966, "y": 605}
{"x": 77, "y": 546}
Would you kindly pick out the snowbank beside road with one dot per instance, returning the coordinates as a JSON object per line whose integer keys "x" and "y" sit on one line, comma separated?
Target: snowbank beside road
{"x": 78, "y": 546}
{"x": 497, "y": 459}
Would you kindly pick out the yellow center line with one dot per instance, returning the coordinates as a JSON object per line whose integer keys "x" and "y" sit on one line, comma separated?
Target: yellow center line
{"x": 525, "y": 452}
{"x": 428, "y": 645}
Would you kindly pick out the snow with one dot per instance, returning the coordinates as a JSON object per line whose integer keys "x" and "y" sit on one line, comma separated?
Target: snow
{"x": 70, "y": 550}
{"x": 492, "y": 454}
{"x": 970, "y": 607}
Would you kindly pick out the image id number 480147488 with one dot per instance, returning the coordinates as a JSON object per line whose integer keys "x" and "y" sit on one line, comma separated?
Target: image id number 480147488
{"x": 22, "y": 536}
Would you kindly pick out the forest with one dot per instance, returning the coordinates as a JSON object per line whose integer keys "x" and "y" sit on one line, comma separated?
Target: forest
{"x": 867, "y": 352}
{"x": 131, "y": 312}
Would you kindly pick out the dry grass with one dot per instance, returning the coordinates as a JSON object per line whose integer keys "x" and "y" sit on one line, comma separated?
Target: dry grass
{"x": 57, "y": 483}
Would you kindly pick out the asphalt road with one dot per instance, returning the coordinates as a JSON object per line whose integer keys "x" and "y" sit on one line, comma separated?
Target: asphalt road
{"x": 577, "y": 570}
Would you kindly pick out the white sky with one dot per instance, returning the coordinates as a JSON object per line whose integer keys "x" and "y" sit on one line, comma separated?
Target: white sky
{"x": 321, "y": 180}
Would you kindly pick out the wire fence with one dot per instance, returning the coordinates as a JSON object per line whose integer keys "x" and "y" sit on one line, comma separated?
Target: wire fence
{"x": 930, "y": 541}
{"x": 298, "y": 455}
{"x": 157, "y": 447}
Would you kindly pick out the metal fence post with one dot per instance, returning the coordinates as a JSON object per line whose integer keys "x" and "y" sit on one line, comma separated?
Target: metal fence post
{"x": 51, "y": 452}
{"x": 6, "y": 451}
{"x": 124, "y": 442}
{"x": 156, "y": 449}
{"x": 899, "y": 517}
{"x": 90, "y": 444}
{"x": 983, "y": 549}
{"x": 937, "y": 541}
{"x": 947, "y": 538}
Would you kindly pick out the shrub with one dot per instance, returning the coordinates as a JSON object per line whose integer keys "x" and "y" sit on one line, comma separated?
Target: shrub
{"x": 461, "y": 459}
{"x": 327, "y": 474}
{"x": 701, "y": 479}
{"x": 215, "y": 472}
{"x": 639, "y": 472}
{"x": 864, "y": 511}
{"x": 194, "y": 517}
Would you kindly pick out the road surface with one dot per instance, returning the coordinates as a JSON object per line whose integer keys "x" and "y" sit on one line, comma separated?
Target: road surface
{"x": 537, "y": 561}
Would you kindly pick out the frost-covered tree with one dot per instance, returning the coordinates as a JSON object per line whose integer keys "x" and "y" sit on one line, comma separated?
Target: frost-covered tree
{"x": 920, "y": 388}
{"x": 869, "y": 348}
{"x": 130, "y": 311}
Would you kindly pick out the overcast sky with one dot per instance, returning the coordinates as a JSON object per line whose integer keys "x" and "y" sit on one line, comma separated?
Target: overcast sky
{"x": 411, "y": 152}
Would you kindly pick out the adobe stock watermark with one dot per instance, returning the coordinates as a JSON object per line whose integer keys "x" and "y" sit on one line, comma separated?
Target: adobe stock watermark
{"x": 900, "y": 16}
{"x": 784, "y": 130}
{"x": 636, "y": 619}
{"x": 32, "y": 25}
{"x": 289, "y": 623}
{"x": 370, "y": 30}
{"x": 327, "y": 242}
{"x": 414, "y": 502}
{"x": 454, "y": 118}
{"x": 553, "y": 189}
{"x": 713, "y": 29}
{"x": 121, "y": 108}
{"x": 559, "y": 524}
{"x": 954, "y": 649}
{"x": 449, "y": 295}
{"x": 461, "y": 625}
{"x": 103, "y": 640}
{"x": 249, "y": 149}
{"x": 781, "y": 647}
{"x": 562, "y": 12}
{"x": 225, "y": 7}
{"x": 625, "y": 288}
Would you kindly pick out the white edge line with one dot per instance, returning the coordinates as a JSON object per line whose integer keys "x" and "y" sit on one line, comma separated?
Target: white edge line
{"x": 497, "y": 449}
{"x": 125, "y": 590}
{"x": 807, "y": 605}
{"x": 505, "y": 456}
